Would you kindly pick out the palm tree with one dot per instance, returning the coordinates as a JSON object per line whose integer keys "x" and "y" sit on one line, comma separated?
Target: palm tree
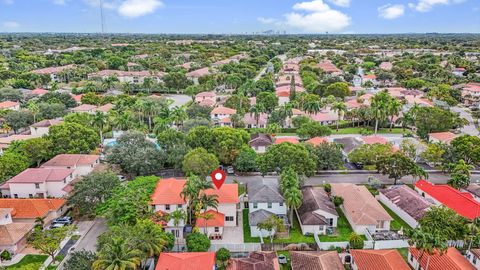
{"x": 148, "y": 84}
{"x": 89, "y": 87}
{"x": 257, "y": 110}
{"x": 147, "y": 238}
{"x": 340, "y": 108}
{"x": 34, "y": 109}
{"x": 117, "y": 255}
{"x": 378, "y": 107}
{"x": 393, "y": 107}
{"x": 293, "y": 198}
{"x": 99, "y": 121}
{"x": 178, "y": 115}
{"x": 427, "y": 243}
{"x": 177, "y": 216}
{"x": 312, "y": 106}
{"x": 39, "y": 222}
{"x": 191, "y": 192}
{"x": 123, "y": 121}
{"x": 127, "y": 87}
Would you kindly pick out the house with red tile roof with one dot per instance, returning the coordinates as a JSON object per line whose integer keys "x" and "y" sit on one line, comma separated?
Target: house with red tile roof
{"x": 251, "y": 121}
{"x": 38, "y": 92}
{"x": 136, "y": 77}
{"x": 54, "y": 71}
{"x": 41, "y": 128}
{"x": 316, "y": 141}
{"x": 84, "y": 108}
{"x": 452, "y": 259}
{"x": 27, "y": 210}
{"x": 10, "y": 105}
{"x": 196, "y": 74}
{"x": 186, "y": 261}
{"x": 6, "y": 141}
{"x": 374, "y": 139}
{"x": 459, "y": 72}
{"x": 167, "y": 198}
{"x": 13, "y": 235}
{"x": 442, "y": 137}
{"x": 324, "y": 118}
{"x": 206, "y": 98}
{"x": 471, "y": 92}
{"x": 328, "y": 67}
{"x": 386, "y": 66}
{"x": 38, "y": 183}
{"x": 387, "y": 259}
{"x": 292, "y": 140}
{"x": 82, "y": 164}
{"x": 461, "y": 202}
{"x": 220, "y": 113}
{"x": 258, "y": 260}
{"x": 104, "y": 108}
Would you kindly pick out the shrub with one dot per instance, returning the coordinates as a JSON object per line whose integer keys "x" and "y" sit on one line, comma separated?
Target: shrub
{"x": 198, "y": 242}
{"x": 5, "y": 255}
{"x": 337, "y": 201}
{"x": 355, "y": 241}
{"x": 328, "y": 188}
{"x": 222, "y": 256}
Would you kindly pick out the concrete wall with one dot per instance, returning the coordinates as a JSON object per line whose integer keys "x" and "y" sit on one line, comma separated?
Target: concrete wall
{"x": 397, "y": 210}
{"x": 39, "y": 131}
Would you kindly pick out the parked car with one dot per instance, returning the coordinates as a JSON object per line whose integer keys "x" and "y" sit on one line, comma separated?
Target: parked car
{"x": 121, "y": 177}
{"x": 230, "y": 170}
{"x": 63, "y": 220}
{"x": 57, "y": 225}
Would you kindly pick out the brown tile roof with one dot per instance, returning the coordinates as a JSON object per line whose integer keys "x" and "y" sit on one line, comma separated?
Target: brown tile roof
{"x": 260, "y": 260}
{"x": 223, "y": 110}
{"x": 52, "y": 70}
{"x": 11, "y": 234}
{"x": 71, "y": 160}
{"x": 260, "y": 139}
{"x": 408, "y": 200}
{"x": 316, "y": 260}
{"x": 315, "y": 199}
{"x": 84, "y": 108}
{"x": 317, "y": 141}
{"x": 359, "y": 204}
{"x": 31, "y": 208}
{"x": 388, "y": 259}
{"x": 450, "y": 260}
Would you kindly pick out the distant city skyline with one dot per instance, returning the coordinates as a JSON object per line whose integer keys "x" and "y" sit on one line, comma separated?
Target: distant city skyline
{"x": 242, "y": 16}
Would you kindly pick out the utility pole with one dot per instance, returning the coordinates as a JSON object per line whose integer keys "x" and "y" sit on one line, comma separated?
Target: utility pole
{"x": 102, "y": 19}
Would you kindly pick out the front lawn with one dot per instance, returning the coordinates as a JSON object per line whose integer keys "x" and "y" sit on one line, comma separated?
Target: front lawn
{"x": 287, "y": 266}
{"x": 404, "y": 253}
{"x": 29, "y": 262}
{"x": 397, "y": 223}
{"x": 358, "y": 130}
{"x": 343, "y": 230}
{"x": 247, "y": 238}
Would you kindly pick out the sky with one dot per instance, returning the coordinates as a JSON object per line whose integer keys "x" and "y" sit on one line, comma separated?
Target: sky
{"x": 242, "y": 16}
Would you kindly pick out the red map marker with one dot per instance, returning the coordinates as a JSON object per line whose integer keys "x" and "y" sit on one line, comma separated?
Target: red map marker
{"x": 218, "y": 178}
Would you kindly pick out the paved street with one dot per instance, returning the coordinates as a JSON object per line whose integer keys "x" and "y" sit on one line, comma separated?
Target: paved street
{"x": 356, "y": 178}
{"x": 89, "y": 241}
{"x": 470, "y": 129}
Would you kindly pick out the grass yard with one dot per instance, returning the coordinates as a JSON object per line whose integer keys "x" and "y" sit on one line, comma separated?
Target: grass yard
{"x": 357, "y": 130}
{"x": 404, "y": 253}
{"x": 397, "y": 222}
{"x": 295, "y": 234}
{"x": 32, "y": 262}
{"x": 343, "y": 229}
{"x": 287, "y": 266}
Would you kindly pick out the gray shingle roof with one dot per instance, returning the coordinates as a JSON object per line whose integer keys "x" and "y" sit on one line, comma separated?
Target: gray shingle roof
{"x": 258, "y": 216}
{"x": 315, "y": 199}
{"x": 264, "y": 191}
{"x": 408, "y": 200}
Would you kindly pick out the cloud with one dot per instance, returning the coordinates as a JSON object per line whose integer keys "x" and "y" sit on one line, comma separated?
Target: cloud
{"x": 59, "y": 2}
{"x": 427, "y": 5}
{"x": 11, "y": 24}
{"x": 391, "y": 12}
{"x": 340, "y": 3}
{"x": 316, "y": 17}
{"x": 8, "y": 2}
{"x": 138, "y": 8}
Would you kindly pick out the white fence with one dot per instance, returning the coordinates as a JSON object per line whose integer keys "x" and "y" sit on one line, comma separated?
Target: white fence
{"x": 246, "y": 247}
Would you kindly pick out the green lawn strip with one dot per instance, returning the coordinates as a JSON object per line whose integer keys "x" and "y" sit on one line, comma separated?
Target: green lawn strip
{"x": 404, "y": 253}
{"x": 397, "y": 222}
{"x": 343, "y": 230}
{"x": 287, "y": 266}
{"x": 29, "y": 262}
{"x": 357, "y": 130}
{"x": 247, "y": 238}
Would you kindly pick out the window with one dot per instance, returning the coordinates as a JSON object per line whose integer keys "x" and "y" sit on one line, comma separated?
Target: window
{"x": 15, "y": 196}
{"x": 281, "y": 204}
{"x": 217, "y": 229}
{"x": 228, "y": 218}
{"x": 37, "y": 185}
{"x": 269, "y": 205}
{"x": 176, "y": 233}
{"x": 64, "y": 181}
{"x": 167, "y": 207}
{"x": 411, "y": 257}
{"x": 330, "y": 221}
{"x": 179, "y": 206}
{"x": 474, "y": 260}
{"x": 30, "y": 196}
{"x": 255, "y": 205}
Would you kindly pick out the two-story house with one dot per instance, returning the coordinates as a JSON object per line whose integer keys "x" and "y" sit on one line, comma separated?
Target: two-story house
{"x": 41, "y": 128}
{"x": 14, "y": 234}
{"x": 222, "y": 115}
{"x": 167, "y": 198}
{"x": 317, "y": 214}
{"x": 264, "y": 200}
{"x": 82, "y": 164}
{"x": 38, "y": 183}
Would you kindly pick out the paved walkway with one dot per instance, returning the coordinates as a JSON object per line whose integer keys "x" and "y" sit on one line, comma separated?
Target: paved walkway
{"x": 469, "y": 129}
{"x": 232, "y": 235}
{"x": 16, "y": 259}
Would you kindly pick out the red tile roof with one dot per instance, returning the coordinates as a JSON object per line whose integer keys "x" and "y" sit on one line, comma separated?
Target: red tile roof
{"x": 461, "y": 202}
{"x": 52, "y": 70}
{"x": 217, "y": 219}
{"x": 71, "y": 160}
{"x": 374, "y": 139}
{"x": 223, "y": 110}
{"x": 283, "y": 93}
{"x": 286, "y": 139}
{"x": 41, "y": 175}
{"x": 38, "y": 92}
{"x": 168, "y": 192}
{"x": 31, "y": 208}
{"x": 317, "y": 141}
{"x": 450, "y": 260}
{"x": 378, "y": 259}
{"x": 8, "y": 104}
{"x": 186, "y": 261}
{"x": 445, "y": 137}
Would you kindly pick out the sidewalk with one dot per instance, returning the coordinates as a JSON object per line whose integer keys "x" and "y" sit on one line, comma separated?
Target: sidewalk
{"x": 16, "y": 259}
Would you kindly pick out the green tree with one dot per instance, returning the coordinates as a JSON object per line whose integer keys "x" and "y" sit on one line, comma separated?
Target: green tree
{"x": 338, "y": 89}
{"x": 355, "y": 241}
{"x": 245, "y": 161}
{"x": 80, "y": 260}
{"x": 36, "y": 149}
{"x": 48, "y": 241}
{"x": 117, "y": 255}
{"x": 51, "y": 111}
{"x": 272, "y": 224}
{"x": 466, "y": 148}
{"x": 460, "y": 174}
{"x": 396, "y": 166}
{"x": 434, "y": 119}
{"x": 369, "y": 154}
{"x": 178, "y": 216}
{"x": 290, "y": 187}
{"x": 199, "y": 162}
{"x": 174, "y": 144}
{"x": 222, "y": 257}
{"x": 72, "y": 139}
{"x": 313, "y": 129}
{"x": 201, "y": 137}
{"x": 12, "y": 164}
{"x": 198, "y": 242}
{"x": 340, "y": 108}
{"x": 443, "y": 222}
{"x": 329, "y": 156}
{"x": 19, "y": 119}
{"x": 284, "y": 155}
{"x": 434, "y": 153}
{"x": 268, "y": 100}
{"x": 228, "y": 142}
{"x": 93, "y": 190}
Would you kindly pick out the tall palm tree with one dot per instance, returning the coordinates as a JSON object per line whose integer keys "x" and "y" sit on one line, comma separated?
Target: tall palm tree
{"x": 312, "y": 106}
{"x": 378, "y": 107}
{"x": 178, "y": 115}
{"x": 394, "y": 107}
{"x": 148, "y": 84}
{"x": 191, "y": 192}
{"x": 89, "y": 87}
{"x": 147, "y": 239}
{"x": 127, "y": 87}
{"x": 99, "y": 121}
{"x": 123, "y": 121}
{"x": 257, "y": 110}
{"x": 117, "y": 255}
{"x": 427, "y": 243}
{"x": 177, "y": 217}
{"x": 34, "y": 109}
{"x": 340, "y": 108}
{"x": 293, "y": 198}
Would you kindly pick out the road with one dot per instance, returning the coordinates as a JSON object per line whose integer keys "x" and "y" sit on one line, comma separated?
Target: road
{"x": 355, "y": 178}
{"x": 470, "y": 129}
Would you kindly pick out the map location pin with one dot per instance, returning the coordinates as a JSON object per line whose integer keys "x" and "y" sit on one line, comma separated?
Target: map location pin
{"x": 218, "y": 178}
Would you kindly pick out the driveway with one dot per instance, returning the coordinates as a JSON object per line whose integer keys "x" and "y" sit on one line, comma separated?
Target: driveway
{"x": 89, "y": 241}
{"x": 232, "y": 235}
{"x": 464, "y": 113}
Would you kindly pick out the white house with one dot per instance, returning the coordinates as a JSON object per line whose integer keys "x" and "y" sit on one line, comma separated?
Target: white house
{"x": 81, "y": 164}
{"x": 38, "y": 183}
{"x": 41, "y": 128}
{"x": 317, "y": 214}
{"x": 136, "y": 77}
{"x": 54, "y": 72}
{"x": 260, "y": 142}
{"x": 473, "y": 256}
{"x": 405, "y": 202}
{"x": 10, "y": 105}
{"x": 361, "y": 209}
{"x": 14, "y": 234}
{"x": 166, "y": 199}
{"x": 222, "y": 115}
{"x": 264, "y": 200}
